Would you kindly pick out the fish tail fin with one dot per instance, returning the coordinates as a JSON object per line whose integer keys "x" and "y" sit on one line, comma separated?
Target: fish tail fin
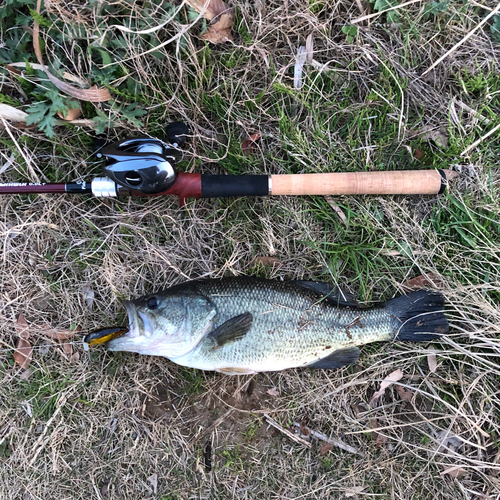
{"x": 418, "y": 316}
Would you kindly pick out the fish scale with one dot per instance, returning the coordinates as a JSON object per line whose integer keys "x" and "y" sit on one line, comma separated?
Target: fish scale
{"x": 247, "y": 325}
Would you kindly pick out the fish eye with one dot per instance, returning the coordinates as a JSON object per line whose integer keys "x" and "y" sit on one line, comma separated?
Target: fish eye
{"x": 152, "y": 303}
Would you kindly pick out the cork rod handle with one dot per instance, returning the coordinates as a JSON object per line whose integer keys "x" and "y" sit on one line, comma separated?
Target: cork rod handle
{"x": 398, "y": 182}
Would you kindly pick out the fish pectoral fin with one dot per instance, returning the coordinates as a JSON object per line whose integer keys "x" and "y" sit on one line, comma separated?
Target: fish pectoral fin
{"x": 230, "y": 331}
{"x": 336, "y": 359}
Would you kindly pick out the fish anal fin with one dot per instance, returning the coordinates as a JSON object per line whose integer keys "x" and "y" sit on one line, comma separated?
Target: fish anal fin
{"x": 230, "y": 331}
{"x": 331, "y": 293}
{"x": 233, "y": 370}
{"x": 337, "y": 359}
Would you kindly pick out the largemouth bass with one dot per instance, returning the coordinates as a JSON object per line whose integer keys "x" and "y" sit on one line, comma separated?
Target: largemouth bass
{"x": 248, "y": 325}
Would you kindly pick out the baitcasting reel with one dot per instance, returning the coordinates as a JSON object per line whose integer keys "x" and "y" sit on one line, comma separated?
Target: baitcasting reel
{"x": 142, "y": 165}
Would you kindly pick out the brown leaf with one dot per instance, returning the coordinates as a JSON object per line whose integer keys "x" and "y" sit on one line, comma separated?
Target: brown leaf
{"x": 59, "y": 333}
{"x": 273, "y": 392}
{"x": 325, "y": 448}
{"x": 403, "y": 394}
{"x": 75, "y": 357}
{"x": 211, "y": 8}
{"x": 429, "y": 280}
{"x": 220, "y": 31}
{"x": 379, "y": 438}
{"x": 72, "y": 114}
{"x": 22, "y": 327}
{"x": 388, "y": 381}
{"x": 23, "y": 353}
{"x": 418, "y": 153}
{"x": 304, "y": 430}
{"x": 247, "y": 144}
{"x": 67, "y": 348}
{"x": 431, "y": 360}
{"x": 93, "y": 94}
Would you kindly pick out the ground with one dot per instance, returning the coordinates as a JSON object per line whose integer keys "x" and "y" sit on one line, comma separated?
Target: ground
{"x": 91, "y": 424}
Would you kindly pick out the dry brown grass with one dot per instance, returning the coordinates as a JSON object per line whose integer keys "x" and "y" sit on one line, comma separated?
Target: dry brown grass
{"x": 103, "y": 427}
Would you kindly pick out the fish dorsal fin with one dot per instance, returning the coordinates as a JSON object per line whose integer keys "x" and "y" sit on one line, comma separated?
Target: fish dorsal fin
{"x": 331, "y": 293}
{"x": 230, "y": 331}
{"x": 336, "y": 359}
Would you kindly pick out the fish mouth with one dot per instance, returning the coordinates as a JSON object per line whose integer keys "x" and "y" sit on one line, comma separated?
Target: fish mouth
{"x": 135, "y": 318}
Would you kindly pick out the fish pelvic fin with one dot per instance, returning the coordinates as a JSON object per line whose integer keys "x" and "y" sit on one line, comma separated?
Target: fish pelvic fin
{"x": 337, "y": 359}
{"x": 232, "y": 330}
{"x": 418, "y": 316}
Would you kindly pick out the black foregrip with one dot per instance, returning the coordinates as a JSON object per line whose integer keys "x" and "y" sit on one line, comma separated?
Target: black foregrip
{"x": 222, "y": 186}
{"x": 79, "y": 187}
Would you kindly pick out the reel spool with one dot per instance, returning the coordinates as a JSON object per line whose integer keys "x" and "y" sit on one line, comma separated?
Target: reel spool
{"x": 144, "y": 164}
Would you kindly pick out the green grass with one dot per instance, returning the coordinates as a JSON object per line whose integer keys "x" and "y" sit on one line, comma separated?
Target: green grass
{"x": 363, "y": 106}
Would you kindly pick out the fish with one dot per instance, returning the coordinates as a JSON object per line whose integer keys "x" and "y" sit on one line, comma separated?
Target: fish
{"x": 245, "y": 325}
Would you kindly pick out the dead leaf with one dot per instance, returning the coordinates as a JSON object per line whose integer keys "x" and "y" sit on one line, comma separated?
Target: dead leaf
{"x": 220, "y": 16}
{"x": 266, "y": 261}
{"x": 247, "y": 144}
{"x": 304, "y": 430}
{"x": 325, "y": 448}
{"x": 273, "y": 392}
{"x": 23, "y": 353}
{"x": 67, "y": 348}
{"x": 404, "y": 394}
{"x": 455, "y": 472}
{"x": 418, "y": 153}
{"x": 429, "y": 280}
{"x": 153, "y": 479}
{"x": 353, "y": 491}
{"x": 338, "y": 210}
{"x": 438, "y": 136}
{"x": 26, "y": 374}
{"x": 22, "y": 327}
{"x": 12, "y": 114}
{"x": 388, "y": 381}
{"x": 59, "y": 333}
{"x": 376, "y": 436}
{"x": 220, "y": 30}
{"x": 431, "y": 360}
{"x": 75, "y": 357}
{"x": 12, "y": 67}
{"x": 93, "y": 94}
{"x": 72, "y": 114}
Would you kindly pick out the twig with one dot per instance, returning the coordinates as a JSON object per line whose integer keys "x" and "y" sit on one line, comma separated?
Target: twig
{"x": 464, "y": 39}
{"x": 336, "y": 442}
{"x": 376, "y": 14}
{"x": 291, "y": 435}
{"x": 481, "y": 139}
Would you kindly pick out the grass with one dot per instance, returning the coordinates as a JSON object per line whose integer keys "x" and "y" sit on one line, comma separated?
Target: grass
{"x": 103, "y": 426}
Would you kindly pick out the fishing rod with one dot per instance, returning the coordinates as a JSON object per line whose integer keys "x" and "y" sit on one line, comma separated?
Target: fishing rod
{"x": 144, "y": 166}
